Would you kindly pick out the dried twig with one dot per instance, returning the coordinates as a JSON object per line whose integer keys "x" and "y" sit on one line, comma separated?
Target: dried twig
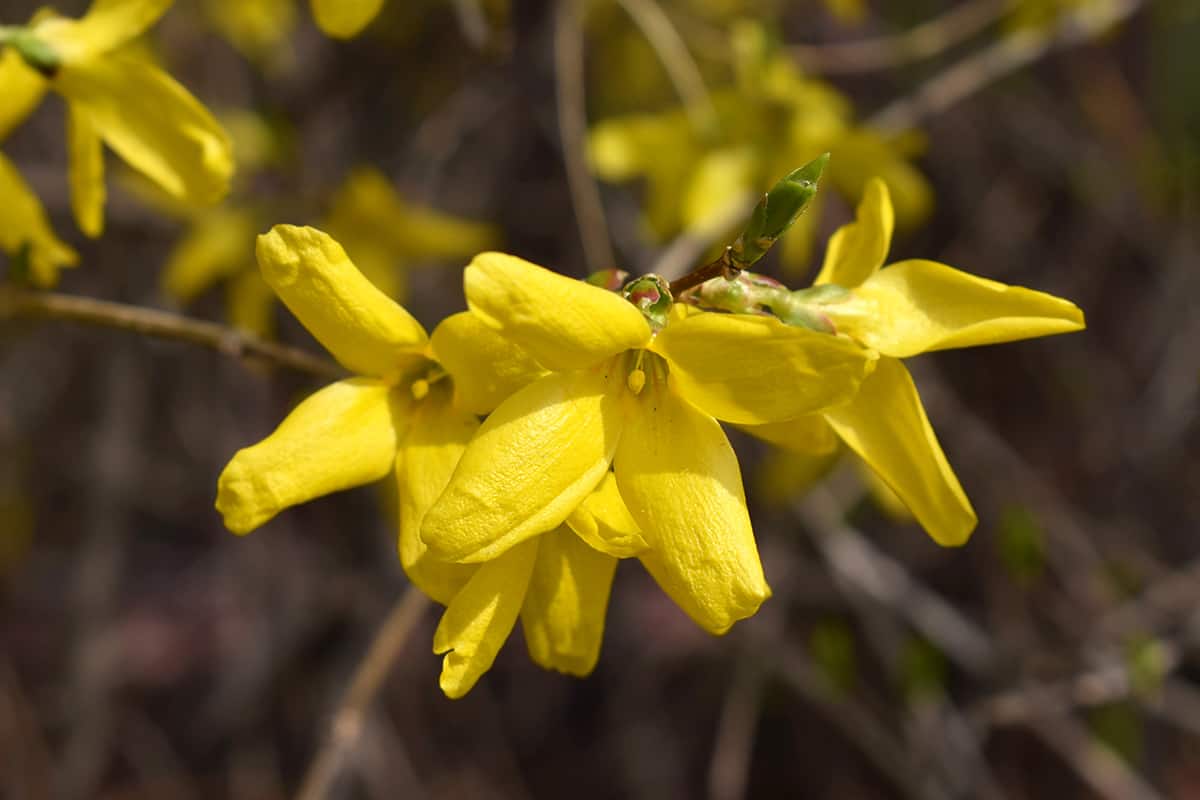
{"x": 23, "y": 303}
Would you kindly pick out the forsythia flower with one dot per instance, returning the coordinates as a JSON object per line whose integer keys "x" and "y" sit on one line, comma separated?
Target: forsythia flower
{"x": 899, "y": 311}
{"x": 115, "y": 97}
{"x": 618, "y": 394}
{"x": 773, "y": 119}
{"x": 26, "y": 230}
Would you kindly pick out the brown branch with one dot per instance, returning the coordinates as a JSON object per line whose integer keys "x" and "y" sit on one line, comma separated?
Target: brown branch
{"x": 922, "y": 41}
{"x": 24, "y": 303}
{"x": 368, "y": 679}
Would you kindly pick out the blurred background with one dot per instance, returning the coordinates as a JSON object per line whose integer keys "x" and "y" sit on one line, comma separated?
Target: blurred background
{"x": 145, "y": 652}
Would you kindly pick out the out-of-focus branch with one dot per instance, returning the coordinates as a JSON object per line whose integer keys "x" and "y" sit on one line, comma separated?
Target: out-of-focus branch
{"x": 1098, "y": 766}
{"x": 673, "y": 53}
{"x": 572, "y": 129}
{"x": 24, "y": 303}
{"x": 922, "y": 41}
{"x": 368, "y": 679}
{"x": 998, "y": 60}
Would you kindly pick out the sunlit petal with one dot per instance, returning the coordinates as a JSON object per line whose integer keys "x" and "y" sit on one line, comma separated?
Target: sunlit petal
{"x": 343, "y": 19}
{"x": 85, "y": 162}
{"x": 563, "y": 323}
{"x": 486, "y": 367}
{"x": 534, "y": 460}
{"x": 886, "y": 425}
{"x": 341, "y": 436}
{"x": 438, "y": 435}
{"x": 106, "y": 25}
{"x": 916, "y": 306}
{"x": 603, "y": 521}
{"x": 681, "y": 482}
{"x": 364, "y": 329}
{"x": 152, "y": 123}
{"x": 755, "y": 369}
{"x": 566, "y": 602}
{"x": 480, "y": 618}
{"x": 857, "y": 250}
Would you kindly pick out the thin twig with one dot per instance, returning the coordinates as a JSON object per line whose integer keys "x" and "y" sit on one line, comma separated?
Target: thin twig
{"x": 673, "y": 53}
{"x": 572, "y": 129}
{"x": 998, "y": 60}
{"x": 368, "y": 679}
{"x": 729, "y": 770}
{"x": 23, "y": 303}
{"x": 920, "y": 42}
{"x": 1098, "y": 766}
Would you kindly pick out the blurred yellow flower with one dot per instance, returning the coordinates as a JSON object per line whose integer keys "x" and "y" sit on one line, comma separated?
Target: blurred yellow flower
{"x": 259, "y": 29}
{"x": 344, "y": 19}
{"x": 772, "y": 119}
{"x": 899, "y": 311}
{"x": 26, "y": 233}
{"x": 116, "y": 97}
{"x": 620, "y": 395}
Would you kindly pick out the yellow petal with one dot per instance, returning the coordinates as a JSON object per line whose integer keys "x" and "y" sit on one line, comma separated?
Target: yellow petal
{"x": 886, "y": 426}
{"x": 219, "y": 244}
{"x": 108, "y": 24}
{"x": 755, "y": 369}
{"x": 603, "y": 521}
{"x": 250, "y": 303}
{"x": 437, "y": 437}
{"x": 809, "y": 434}
{"x": 25, "y": 226}
{"x": 680, "y": 479}
{"x": 563, "y": 323}
{"x": 486, "y": 367}
{"x": 722, "y": 181}
{"x": 152, "y": 123}
{"x": 341, "y": 436}
{"x": 856, "y": 251}
{"x": 362, "y": 328}
{"x": 479, "y": 619}
{"x": 566, "y": 602}
{"x": 916, "y": 306}
{"x": 86, "y": 171}
{"x": 343, "y": 19}
{"x": 23, "y": 90}
{"x": 534, "y": 460}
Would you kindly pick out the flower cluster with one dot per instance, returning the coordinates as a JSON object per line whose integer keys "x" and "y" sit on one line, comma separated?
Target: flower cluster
{"x": 602, "y": 436}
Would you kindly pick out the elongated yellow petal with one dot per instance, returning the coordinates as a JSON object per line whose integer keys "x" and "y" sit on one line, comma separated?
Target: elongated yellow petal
{"x": 151, "y": 122}
{"x": 563, "y": 323}
{"x": 362, "y": 328}
{"x": 342, "y": 436}
{"x": 23, "y": 88}
{"x": 219, "y": 244}
{"x": 343, "y": 19}
{"x": 25, "y": 228}
{"x": 916, "y": 306}
{"x": 567, "y": 600}
{"x": 680, "y": 479}
{"x": 603, "y": 521}
{"x": 809, "y": 434}
{"x": 108, "y": 24}
{"x": 86, "y": 171}
{"x": 886, "y": 425}
{"x": 486, "y": 367}
{"x": 437, "y": 437}
{"x": 534, "y": 460}
{"x": 856, "y": 251}
{"x": 752, "y": 370}
{"x": 479, "y": 619}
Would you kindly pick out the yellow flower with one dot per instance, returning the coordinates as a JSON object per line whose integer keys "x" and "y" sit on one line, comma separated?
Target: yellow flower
{"x": 259, "y": 29}
{"x": 619, "y": 395}
{"x": 899, "y": 311}
{"x": 775, "y": 118}
{"x": 344, "y": 19}
{"x": 116, "y": 97}
{"x": 26, "y": 230}
{"x": 411, "y": 406}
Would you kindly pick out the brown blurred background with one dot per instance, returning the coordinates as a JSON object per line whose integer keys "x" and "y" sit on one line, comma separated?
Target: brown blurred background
{"x": 145, "y": 652}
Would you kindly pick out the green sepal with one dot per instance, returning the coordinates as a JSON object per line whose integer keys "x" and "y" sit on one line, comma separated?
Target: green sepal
{"x": 776, "y": 212}
{"x": 652, "y": 295}
{"x": 611, "y": 279}
{"x": 36, "y": 52}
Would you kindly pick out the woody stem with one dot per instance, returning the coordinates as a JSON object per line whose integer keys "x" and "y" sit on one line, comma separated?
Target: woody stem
{"x": 720, "y": 267}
